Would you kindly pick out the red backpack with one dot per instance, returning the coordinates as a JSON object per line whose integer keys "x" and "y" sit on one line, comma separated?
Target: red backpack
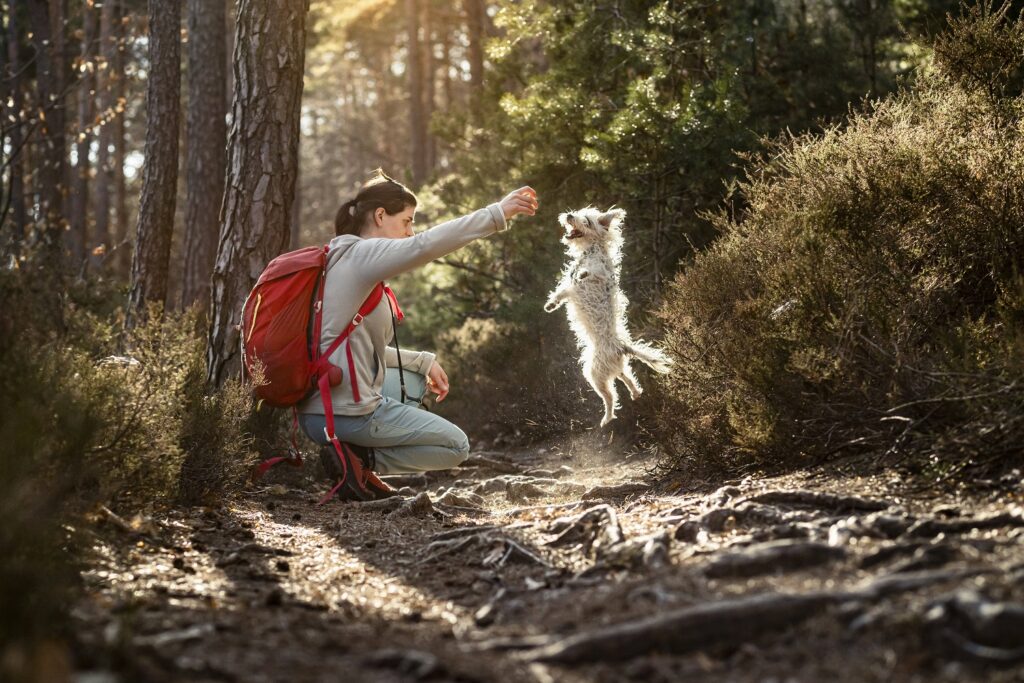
{"x": 280, "y": 338}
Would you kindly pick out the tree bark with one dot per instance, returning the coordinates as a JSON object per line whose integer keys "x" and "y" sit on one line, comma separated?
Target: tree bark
{"x": 207, "y": 137}
{"x": 105, "y": 76}
{"x": 476, "y": 15}
{"x": 429, "y": 83}
{"x": 295, "y": 238}
{"x": 122, "y": 240}
{"x": 414, "y": 71}
{"x": 270, "y": 39}
{"x": 14, "y": 196}
{"x": 160, "y": 171}
{"x": 79, "y": 218}
{"x": 49, "y": 229}
{"x": 446, "y": 64}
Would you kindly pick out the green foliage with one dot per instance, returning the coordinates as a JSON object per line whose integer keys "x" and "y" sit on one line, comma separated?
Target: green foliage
{"x": 983, "y": 50}
{"x": 645, "y": 105}
{"x": 869, "y": 292}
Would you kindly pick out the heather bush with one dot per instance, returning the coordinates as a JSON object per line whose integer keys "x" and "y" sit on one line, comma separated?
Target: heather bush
{"x": 85, "y": 425}
{"x": 866, "y": 289}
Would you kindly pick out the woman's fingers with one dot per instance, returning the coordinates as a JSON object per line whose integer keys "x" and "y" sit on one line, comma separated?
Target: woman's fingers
{"x": 522, "y": 201}
{"x": 438, "y": 381}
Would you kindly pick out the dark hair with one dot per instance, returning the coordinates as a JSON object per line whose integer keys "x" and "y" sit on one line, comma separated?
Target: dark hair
{"x": 380, "y": 191}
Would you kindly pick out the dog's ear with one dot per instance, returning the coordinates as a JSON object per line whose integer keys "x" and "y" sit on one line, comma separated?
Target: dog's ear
{"x": 611, "y": 217}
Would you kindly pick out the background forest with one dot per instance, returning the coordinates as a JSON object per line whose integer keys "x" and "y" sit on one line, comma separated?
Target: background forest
{"x": 824, "y": 205}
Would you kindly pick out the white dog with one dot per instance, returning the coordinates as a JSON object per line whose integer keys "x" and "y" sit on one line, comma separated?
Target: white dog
{"x": 597, "y": 307}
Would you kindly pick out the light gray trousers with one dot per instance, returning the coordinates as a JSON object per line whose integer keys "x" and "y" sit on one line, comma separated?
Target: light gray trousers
{"x": 404, "y": 438}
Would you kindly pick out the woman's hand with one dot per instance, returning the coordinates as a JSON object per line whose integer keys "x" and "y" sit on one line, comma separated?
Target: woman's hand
{"x": 437, "y": 381}
{"x": 522, "y": 201}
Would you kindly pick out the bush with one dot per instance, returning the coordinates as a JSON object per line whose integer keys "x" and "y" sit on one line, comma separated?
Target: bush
{"x": 869, "y": 294}
{"x": 82, "y": 426}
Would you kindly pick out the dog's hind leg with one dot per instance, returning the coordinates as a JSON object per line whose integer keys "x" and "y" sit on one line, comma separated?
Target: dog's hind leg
{"x": 629, "y": 379}
{"x": 603, "y": 384}
{"x": 607, "y": 394}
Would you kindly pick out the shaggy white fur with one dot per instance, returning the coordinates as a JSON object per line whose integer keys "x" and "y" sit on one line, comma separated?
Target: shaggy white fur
{"x": 596, "y": 306}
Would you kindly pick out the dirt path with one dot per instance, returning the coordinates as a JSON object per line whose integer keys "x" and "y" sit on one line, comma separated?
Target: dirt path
{"x": 540, "y": 566}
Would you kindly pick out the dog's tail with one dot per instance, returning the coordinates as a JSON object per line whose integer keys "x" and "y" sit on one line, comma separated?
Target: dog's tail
{"x": 649, "y": 355}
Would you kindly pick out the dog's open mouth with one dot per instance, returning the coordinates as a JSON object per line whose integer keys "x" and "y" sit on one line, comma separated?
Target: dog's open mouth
{"x": 574, "y": 234}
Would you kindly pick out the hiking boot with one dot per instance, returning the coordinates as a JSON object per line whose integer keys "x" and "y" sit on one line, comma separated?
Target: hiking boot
{"x": 349, "y": 479}
{"x": 371, "y": 481}
{"x": 379, "y": 488}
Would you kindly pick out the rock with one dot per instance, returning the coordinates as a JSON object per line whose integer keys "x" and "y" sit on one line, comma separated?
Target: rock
{"x": 461, "y": 498}
{"x": 520, "y": 491}
{"x": 419, "y": 506}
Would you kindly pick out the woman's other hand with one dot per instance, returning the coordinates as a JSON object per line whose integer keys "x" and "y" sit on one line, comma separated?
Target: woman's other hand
{"x": 437, "y": 381}
{"x": 522, "y": 201}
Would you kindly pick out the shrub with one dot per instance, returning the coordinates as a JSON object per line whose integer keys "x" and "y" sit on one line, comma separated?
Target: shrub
{"x": 869, "y": 294}
{"x": 82, "y": 425}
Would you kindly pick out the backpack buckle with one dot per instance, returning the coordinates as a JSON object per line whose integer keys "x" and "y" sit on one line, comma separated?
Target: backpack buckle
{"x": 358, "y": 319}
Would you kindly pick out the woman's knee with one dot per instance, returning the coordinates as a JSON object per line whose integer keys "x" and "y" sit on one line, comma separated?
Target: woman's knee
{"x": 459, "y": 447}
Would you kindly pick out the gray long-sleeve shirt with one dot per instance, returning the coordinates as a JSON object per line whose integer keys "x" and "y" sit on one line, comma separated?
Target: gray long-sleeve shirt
{"x": 354, "y": 266}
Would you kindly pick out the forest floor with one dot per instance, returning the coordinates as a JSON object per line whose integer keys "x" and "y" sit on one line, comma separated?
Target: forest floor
{"x": 560, "y": 564}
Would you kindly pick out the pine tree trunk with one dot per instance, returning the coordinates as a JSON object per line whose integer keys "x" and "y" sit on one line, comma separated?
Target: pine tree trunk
{"x": 446, "y": 64}
{"x": 14, "y": 195}
{"x": 414, "y": 70}
{"x": 475, "y": 17}
{"x": 50, "y": 109}
{"x": 429, "y": 82}
{"x": 270, "y": 39}
{"x": 122, "y": 239}
{"x": 79, "y": 218}
{"x": 207, "y": 137}
{"x": 155, "y": 225}
{"x": 295, "y": 238}
{"x": 105, "y": 136}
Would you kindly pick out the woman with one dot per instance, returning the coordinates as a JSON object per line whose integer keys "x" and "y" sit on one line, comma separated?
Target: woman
{"x": 375, "y": 242}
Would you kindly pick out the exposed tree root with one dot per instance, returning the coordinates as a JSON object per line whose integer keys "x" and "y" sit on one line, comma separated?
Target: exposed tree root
{"x": 929, "y": 528}
{"x": 727, "y": 623}
{"x": 773, "y": 557}
{"x": 616, "y": 491}
{"x": 595, "y": 530}
{"x": 824, "y": 501}
{"x": 724, "y": 623}
{"x": 483, "y": 460}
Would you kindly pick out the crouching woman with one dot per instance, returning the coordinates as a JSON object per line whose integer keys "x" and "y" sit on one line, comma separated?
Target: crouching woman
{"x": 379, "y": 434}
